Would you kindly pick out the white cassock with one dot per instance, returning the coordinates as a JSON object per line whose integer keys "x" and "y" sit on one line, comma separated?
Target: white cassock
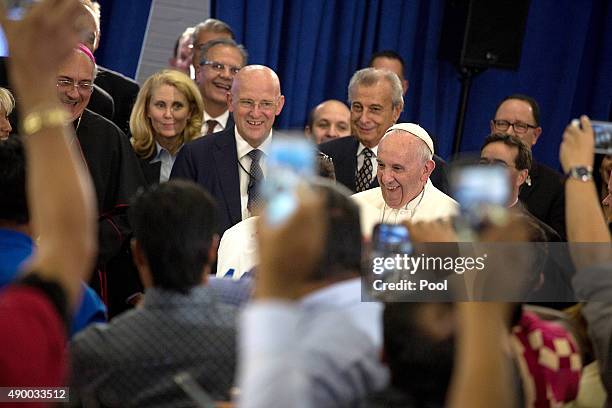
{"x": 430, "y": 204}
{"x": 238, "y": 249}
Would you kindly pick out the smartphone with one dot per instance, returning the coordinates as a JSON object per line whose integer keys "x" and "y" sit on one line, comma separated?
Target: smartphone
{"x": 482, "y": 192}
{"x": 391, "y": 239}
{"x": 290, "y": 162}
{"x": 15, "y": 9}
{"x": 603, "y": 136}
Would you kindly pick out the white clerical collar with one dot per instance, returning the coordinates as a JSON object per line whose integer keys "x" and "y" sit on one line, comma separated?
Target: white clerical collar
{"x": 394, "y": 215}
{"x": 373, "y": 149}
{"x": 221, "y": 119}
{"x": 243, "y": 147}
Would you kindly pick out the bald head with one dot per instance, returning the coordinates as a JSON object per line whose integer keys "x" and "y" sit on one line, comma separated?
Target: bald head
{"x": 329, "y": 120}
{"x": 255, "y": 100}
{"x": 79, "y": 70}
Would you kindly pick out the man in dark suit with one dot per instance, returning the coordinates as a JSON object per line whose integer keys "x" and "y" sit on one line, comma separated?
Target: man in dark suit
{"x": 376, "y": 101}
{"x": 543, "y": 192}
{"x": 232, "y": 163}
{"x": 122, "y": 89}
{"x": 220, "y": 60}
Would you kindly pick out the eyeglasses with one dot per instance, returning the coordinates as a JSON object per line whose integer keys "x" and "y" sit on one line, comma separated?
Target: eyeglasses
{"x": 250, "y": 104}
{"x": 519, "y": 127}
{"x": 493, "y": 162}
{"x": 67, "y": 84}
{"x": 219, "y": 67}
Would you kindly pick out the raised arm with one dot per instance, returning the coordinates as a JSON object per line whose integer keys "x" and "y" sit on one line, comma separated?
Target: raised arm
{"x": 584, "y": 216}
{"x": 60, "y": 193}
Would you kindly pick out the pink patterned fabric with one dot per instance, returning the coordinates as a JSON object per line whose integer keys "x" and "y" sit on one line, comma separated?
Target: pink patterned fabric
{"x": 549, "y": 361}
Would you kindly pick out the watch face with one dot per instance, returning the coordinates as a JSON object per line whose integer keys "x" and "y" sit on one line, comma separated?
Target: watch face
{"x": 581, "y": 173}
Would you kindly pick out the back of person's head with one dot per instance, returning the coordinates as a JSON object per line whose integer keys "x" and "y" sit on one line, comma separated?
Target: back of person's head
{"x": 13, "y": 200}
{"x": 175, "y": 225}
{"x": 342, "y": 254}
{"x": 420, "y": 359}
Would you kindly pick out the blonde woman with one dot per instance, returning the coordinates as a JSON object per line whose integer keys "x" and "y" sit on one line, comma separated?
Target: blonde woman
{"x": 7, "y": 104}
{"x": 166, "y": 115}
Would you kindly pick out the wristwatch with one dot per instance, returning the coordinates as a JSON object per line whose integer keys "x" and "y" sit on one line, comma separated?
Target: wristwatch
{"x": 582, "y": 173}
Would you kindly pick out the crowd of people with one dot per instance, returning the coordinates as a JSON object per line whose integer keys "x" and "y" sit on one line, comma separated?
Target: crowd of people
{"x": 138, "y": 266}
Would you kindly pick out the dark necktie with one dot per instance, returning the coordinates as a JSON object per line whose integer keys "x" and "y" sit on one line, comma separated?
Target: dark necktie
{"x": 211, "y": 126}
{"x": 256, "y": 178}
{"x": 364, "y": 174}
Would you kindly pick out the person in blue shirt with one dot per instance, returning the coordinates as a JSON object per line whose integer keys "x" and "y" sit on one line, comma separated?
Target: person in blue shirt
{"x": 16, "y": 244}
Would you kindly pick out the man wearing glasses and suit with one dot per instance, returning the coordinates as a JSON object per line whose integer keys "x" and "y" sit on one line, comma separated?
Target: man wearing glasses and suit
{"x": 220, "y": 61}
{"x": 231, "y": 164}
{"x": 543, "y": 192}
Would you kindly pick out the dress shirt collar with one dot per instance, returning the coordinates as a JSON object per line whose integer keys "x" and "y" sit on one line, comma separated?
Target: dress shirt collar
{"x": 373, "y": 149}
{"x": 161, "y": 152}
{"x": 243, "y": 148}
{"x": 221, "y": 120}
{"x": 347, "y": 292}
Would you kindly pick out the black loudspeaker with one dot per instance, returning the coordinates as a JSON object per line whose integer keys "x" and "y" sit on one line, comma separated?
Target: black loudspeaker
{"x": 484, "y": 33}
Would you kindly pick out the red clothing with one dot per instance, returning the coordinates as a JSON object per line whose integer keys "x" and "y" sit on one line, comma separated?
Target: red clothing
{"x": 549, "y": 360}
{"x": 33, "y": 341}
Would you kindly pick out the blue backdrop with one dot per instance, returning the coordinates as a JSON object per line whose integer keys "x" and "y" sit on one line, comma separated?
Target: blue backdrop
{"x": 123, "y": 25}
{"x": 315, "y": 46}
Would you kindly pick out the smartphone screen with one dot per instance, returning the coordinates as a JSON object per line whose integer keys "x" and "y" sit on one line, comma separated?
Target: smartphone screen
{"x": 482, "y": 192}
{"x": 391, "y": 239}
{"x": 16, "y": 8}
{"x": 603, "y": 136}
{"x": 291, "y": 161}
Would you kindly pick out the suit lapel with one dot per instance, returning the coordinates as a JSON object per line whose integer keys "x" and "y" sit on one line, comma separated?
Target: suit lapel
{"x": 151, "y": 171}
{"x": 347, "y": 163}
{"x": 226, "y": 163}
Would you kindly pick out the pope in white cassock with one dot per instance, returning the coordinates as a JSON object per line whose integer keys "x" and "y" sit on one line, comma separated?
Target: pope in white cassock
{"x": 405, "y": 193}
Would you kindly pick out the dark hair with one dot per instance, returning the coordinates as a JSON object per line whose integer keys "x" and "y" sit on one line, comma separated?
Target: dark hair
{"x": 388, "y": 54}
{"x": 326, "y": 166}
{"x": 342, "y": 253}
{"x": 535, "y": 108}
{"x": 523, "y": 158}
{"x": 174, "y": 222}
{"x": 420, "y": 365}
{"x": 13, "y": 201}
{"x": 228, "y": 43}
